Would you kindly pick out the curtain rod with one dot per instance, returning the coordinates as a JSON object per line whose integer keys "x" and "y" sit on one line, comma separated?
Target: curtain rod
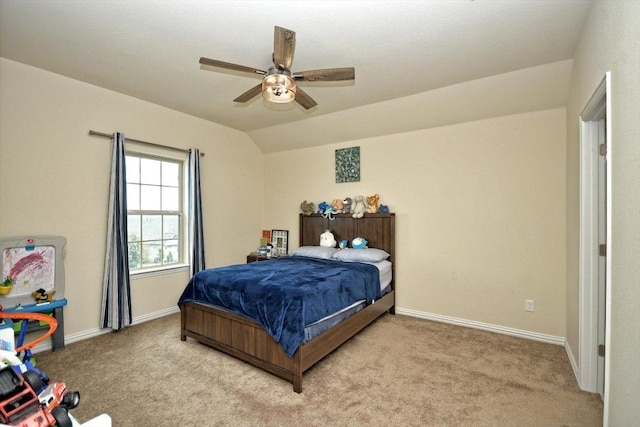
{"x": 106, "y": 135}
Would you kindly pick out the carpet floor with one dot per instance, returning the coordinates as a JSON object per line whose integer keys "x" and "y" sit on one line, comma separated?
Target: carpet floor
{"x": 399, "y": 371}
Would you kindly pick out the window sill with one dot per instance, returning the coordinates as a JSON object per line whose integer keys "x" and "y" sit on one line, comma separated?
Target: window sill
{"x": 159, "y": 271}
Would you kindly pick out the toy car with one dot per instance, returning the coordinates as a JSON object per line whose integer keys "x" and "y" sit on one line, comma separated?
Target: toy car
{"x": 21, "y": 407}
{"x": 56, "y": 394}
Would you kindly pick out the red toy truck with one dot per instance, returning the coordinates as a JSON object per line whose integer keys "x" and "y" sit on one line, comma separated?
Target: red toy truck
{"x": 21, "y": 407}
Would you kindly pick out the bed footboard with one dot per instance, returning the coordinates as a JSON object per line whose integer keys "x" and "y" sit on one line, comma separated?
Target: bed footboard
{"x": 244, "y": 339}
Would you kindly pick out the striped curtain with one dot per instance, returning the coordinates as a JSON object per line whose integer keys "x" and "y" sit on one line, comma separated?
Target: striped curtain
{"x": 116, "y": 291}
{"x": 196, "y": 234}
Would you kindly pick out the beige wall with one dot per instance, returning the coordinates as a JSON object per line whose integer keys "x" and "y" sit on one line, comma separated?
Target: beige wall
{"x": 487, "y": 210}
{"x": 611, "y": 42}
{"x": 480, "y": 213}
{"x": 54, "y": 179}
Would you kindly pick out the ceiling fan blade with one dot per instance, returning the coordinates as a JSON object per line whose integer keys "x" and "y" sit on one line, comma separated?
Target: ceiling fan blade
{"x": 326, "y": 75}
{"x": 230, "y": 66}
{"x": 256, "y": 90}
{"x": 303, "y": 99}
{"x": 284, "y": 43}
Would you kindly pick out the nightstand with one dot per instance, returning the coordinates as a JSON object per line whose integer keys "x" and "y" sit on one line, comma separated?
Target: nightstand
{"x": 255, "y": 256}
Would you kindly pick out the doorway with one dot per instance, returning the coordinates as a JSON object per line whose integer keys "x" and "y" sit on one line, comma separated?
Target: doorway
{"x": 595, "y": 224}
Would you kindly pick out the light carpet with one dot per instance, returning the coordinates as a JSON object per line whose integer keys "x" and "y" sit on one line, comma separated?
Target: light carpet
{"x": 399, "y": 371}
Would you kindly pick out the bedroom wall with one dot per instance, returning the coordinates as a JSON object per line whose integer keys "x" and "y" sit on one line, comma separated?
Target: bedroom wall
{"x": 480, "y": 213}
{"x": 610, "y": 42}
{"x": 54, "y": 179}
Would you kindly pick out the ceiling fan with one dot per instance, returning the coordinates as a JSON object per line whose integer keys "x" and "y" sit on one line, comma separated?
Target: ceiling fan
{"x": 279, "y": 83}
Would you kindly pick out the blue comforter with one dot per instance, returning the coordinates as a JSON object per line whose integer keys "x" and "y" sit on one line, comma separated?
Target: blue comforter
{"x": 284, "y": 295}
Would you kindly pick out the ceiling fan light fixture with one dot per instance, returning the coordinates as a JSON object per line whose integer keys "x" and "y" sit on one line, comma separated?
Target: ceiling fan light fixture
{"x": 278, "y": 88}
{"x": 279, "y": 83}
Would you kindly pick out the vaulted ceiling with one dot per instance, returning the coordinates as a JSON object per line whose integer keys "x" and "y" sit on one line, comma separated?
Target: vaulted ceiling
{"x": 418, "y": 63}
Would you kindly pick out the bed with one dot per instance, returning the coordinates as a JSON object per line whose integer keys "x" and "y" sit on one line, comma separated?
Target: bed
{"x": 247, "y": 340}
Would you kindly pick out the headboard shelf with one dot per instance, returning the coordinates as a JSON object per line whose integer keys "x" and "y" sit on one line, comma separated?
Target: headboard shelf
{"x": 377, "y": 228}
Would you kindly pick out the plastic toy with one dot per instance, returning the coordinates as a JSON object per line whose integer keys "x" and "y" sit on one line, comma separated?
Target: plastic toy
{"x": 43, "y": 296}
{"x": 6, "y": 285}
{"x": 25, "y": 317}
{"x": 57, "y": 394}
{"x": 20, "y": 406}
{"x": 26, "y": 398}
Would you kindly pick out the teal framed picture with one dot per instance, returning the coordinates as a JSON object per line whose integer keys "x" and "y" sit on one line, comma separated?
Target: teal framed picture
{"x": 348, "y": 164}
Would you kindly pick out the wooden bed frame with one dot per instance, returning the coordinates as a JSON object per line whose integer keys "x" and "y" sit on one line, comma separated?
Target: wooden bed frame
{"x": 244, "y": 339}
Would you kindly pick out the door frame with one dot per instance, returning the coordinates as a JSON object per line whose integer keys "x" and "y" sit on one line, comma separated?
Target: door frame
{"x": 598, "y": 107}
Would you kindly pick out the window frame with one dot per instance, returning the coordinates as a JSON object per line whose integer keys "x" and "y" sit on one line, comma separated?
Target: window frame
{"x": 183, "y": 212}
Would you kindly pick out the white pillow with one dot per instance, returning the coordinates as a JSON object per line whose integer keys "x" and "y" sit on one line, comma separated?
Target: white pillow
{"x": 361, "y": 255}
{"x": 315, "y": 252}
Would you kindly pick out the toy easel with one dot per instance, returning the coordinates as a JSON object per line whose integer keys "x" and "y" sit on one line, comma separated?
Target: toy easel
{"x": 34, "y": 263}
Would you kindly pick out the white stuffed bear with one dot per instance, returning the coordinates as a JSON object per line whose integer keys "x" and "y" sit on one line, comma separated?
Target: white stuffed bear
{"x": 359, "y": 207}
{"x": 327, "y": 240}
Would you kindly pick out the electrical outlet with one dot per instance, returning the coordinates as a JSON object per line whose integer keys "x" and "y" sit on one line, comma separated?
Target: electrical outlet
{"x": 528, "y": 305}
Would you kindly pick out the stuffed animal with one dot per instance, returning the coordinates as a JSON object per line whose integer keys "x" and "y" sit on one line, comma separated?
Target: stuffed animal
{"x": 322, "y": 206}
{"x": 372, "y": 203}
{"x": 326, "y": 210}
{"x": 346, "y": 205}
{"x": 359, "y": 207}
{"x": 359, "y": 243}
{"x": 42, "y": 296}
{"x": 383, "y": 209}
{"x": 338, "y": 205}
{"x": 327, "y": 240}
{"x": 307, "y": 208}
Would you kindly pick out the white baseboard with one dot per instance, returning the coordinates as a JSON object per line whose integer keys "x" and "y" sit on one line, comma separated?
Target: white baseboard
{"x": 536, "y": 336}
{"x": 551, "y": 339}
{"x": 156, "y": 315}
{"x": 574, "y": 364}
{"x": 90, "y": 333}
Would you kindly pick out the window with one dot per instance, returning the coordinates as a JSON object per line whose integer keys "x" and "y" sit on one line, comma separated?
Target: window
{"x": 156, "y": 218}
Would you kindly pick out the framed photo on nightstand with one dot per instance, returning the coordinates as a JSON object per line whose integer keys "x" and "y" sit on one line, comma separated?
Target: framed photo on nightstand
{"x": 280, "y": 242}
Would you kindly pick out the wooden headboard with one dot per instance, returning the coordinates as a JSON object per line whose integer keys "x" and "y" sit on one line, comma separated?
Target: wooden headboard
{"x": 378, "y": 229}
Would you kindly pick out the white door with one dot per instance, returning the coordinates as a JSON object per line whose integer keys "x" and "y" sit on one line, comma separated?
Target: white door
{"x": 602, "y": 259}
{"x": 595, "y": 223}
